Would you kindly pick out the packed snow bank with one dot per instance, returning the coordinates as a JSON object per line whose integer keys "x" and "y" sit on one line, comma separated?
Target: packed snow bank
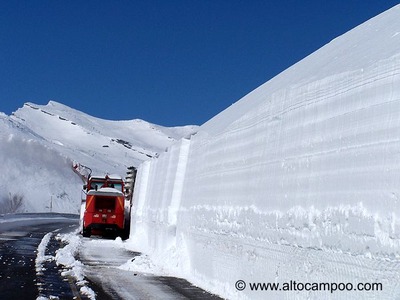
{"x": 66, "y": 257}
{"x": 41, "y": 256}
{"x": 365, "y": 46}
{"x": 299, "y": 180}
{"x": 40, "y": 177}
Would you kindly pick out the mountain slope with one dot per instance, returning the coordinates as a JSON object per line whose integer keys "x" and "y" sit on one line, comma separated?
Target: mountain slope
{"x": 40, "y": 143}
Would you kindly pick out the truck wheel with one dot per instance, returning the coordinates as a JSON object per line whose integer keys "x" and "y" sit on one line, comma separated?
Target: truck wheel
{"x": 86, "y": 232}
{"x": 125, "y": 232}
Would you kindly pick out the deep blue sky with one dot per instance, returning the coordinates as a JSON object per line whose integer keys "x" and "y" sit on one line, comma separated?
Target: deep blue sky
{"x": 167, "y": 62}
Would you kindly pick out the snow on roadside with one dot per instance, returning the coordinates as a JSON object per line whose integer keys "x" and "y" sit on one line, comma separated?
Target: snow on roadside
{"x": 120, "y": 255}
{"x": 123, "y": 255}
{"x": 41, "y": 257}
{"x": 66, "y": 257}
{"x": 142, "y": 264}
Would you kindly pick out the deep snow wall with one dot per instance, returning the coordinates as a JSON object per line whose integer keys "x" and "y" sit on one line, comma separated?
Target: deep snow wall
{"x": 38, "y": 174}
{"x": 303, "y": 171}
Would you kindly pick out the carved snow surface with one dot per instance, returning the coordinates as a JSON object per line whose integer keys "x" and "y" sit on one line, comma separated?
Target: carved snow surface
{"x": 299, "y": 180}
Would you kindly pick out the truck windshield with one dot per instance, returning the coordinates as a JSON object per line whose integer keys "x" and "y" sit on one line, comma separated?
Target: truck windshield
{"x": 96, "y": 184}
{"x": 117, "y": 186}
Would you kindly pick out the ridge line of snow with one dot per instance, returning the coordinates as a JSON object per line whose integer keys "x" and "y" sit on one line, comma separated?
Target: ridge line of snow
{"x": 66, "y": 257}
{"x": 41, "y": 256}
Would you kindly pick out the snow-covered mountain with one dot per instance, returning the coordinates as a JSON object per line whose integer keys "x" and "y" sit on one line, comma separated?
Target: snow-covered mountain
{"x": 39, "y": 144}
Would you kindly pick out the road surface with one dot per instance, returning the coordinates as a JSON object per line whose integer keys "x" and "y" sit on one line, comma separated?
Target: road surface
{"x": 22, "y": 278}
{"x": 102, "y": 260}
{"x": 20, "y": 236}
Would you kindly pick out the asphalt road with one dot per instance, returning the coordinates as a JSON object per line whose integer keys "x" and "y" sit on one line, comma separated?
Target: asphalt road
{"x": 20, "y": 236}
{"x": 102, "y": 260}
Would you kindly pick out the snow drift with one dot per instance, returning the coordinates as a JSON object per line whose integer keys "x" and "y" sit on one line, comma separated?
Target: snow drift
{"x": 299, "y": 180}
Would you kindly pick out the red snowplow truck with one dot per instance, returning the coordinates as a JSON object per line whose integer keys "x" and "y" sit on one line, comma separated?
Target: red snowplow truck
{"x": 106, "y": 211}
